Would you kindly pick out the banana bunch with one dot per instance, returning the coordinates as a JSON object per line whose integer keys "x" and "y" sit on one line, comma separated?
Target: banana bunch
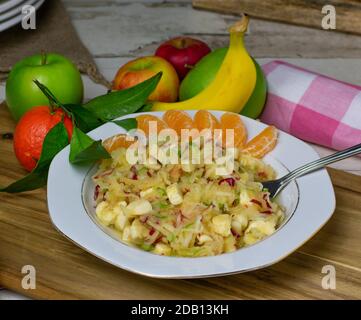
{"x": 233, "y": 83}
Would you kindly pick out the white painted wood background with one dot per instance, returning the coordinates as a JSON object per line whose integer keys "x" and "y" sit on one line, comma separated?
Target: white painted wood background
{"x": 116, "y": 31}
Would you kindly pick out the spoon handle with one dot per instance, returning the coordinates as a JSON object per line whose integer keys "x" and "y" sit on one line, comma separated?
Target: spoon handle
{"x": 320, "y": 163}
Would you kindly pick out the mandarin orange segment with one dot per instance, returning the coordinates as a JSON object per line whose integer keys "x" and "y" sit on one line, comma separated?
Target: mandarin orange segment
{"x": 263, "y": 143}
{"x": 206, "y": 120}
{"x": 144, "y": 121}
{"x": 178, "y": 120}
{"x": 116, "y": 142}
{"x": 234, "y": 122}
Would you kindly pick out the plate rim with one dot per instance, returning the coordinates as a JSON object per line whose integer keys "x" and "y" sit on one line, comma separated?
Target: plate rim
{"x": 9, "y": 4}
{"x": 85, "y": 244}
{"x": 14, "y": 20}
{"x": 16, "y": 11}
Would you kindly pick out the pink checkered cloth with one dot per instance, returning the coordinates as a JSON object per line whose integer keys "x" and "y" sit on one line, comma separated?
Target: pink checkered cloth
{"x": 312, "y": 107}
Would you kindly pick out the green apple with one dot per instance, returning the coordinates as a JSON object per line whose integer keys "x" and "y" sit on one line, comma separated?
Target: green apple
{"x": 204, "y": 72}
{"x": 55, "y": 71}
{"x": 257, "y": 100}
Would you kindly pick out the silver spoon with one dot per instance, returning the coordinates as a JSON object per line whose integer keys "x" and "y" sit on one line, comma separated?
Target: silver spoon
{"x": 276, "y": 186}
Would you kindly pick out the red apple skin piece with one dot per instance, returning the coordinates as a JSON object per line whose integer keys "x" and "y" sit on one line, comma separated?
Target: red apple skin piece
{"x": 141, "y": 69}
{"x": 183, "y": 53}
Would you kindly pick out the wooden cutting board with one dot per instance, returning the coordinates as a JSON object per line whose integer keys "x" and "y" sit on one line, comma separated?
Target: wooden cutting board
{"x": 300, "y": 12}
{"x": 64, "y": 271}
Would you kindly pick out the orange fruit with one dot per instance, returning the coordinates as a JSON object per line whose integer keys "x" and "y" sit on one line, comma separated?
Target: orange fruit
{"x": 31, "y": 131}
{"x": 263, "y": 143}
{"x": 233, "y": 121}
{"x": 203, "y": 119}
{"x": 116, "y": 142}
{"x": 178, "y": 120}
{"x": 143, "y": 123}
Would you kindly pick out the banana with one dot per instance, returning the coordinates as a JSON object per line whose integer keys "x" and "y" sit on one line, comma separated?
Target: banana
{"x": 233, "y": 83}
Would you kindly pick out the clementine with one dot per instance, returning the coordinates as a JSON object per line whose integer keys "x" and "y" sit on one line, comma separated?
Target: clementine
{"x": 31, "y": 131}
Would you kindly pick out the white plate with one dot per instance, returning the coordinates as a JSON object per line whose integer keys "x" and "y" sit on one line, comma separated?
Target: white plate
{"x": 309, "y": 204}
{"x": 6, "y": 5}
{"x": 16, "y": 18}
{"x": 16, "y": 11}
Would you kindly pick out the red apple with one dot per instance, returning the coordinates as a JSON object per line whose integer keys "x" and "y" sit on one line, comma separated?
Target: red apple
{"x": 183, "y": 53}
{"x": 143, "y": 68}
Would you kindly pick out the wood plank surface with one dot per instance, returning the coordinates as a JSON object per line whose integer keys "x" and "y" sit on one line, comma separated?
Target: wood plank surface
{"x": 301, "y": 12}
{"x": 124, "y": 28}
{"x": 64, "y": 271}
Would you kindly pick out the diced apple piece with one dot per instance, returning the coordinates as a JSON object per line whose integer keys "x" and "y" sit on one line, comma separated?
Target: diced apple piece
{"x": 246, "y": 196}
{"x": 222, "y": 224}
{"x": 120, "y": 221}
{"x": 126, "y": 234}
{"x": 204, "y": 238}
{"x": 145, "y": 193}
{"x": 137, "y": 230}
{"x": 257, "y": 230}
{"x": 229, "y": 244}
{"x": 162, "y": 249}
{"x": 105, "y": 214}
{"x": 139, "y": 207}
{"x": 174, "y": 194}
{"x": 239, "y": 223}
{"x": 265, "y": 227}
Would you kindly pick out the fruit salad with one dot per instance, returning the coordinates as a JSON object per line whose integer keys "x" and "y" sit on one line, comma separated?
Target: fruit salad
{"x": 188, "y": 209}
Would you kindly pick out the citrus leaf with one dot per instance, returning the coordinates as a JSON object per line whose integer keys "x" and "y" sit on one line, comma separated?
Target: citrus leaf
{"x": 84, "y": 119}
{"x": 56, "y": 140}
{"x": 46, "y": 91}
{"x": 119, "y": 103}
{"x": 127, "y": 124}
{"x": 147, "y": 107}
{"x": 85, "y": 149}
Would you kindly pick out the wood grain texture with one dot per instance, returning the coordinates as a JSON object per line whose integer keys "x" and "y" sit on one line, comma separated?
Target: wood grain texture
{"x": 65, "y": 271}
{"x": 300, "y": 12}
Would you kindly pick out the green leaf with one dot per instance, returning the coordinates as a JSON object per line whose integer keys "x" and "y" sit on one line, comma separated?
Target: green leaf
{"x": 119, "y": 103}
{"x": 56, "y": 140}
{"x": 45, "y": 90}
{"x": 146, "y": 108}
{"x": 84, "y": 119}
{"x": 85, "y": 149}
{"x": 127, "y": 124}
